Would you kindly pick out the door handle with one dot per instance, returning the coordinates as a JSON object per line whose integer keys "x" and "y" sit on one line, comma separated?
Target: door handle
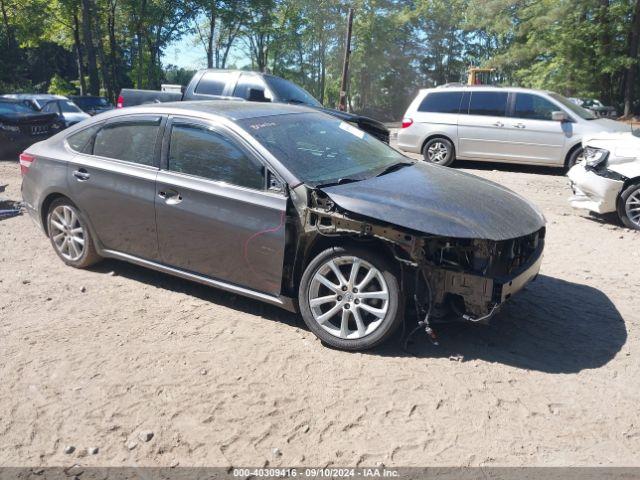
{"x": 170, "y": 197}
{"x": 499, "y": 124}
{"x": 520, "y": 125}
{"x": 81, "y": 175}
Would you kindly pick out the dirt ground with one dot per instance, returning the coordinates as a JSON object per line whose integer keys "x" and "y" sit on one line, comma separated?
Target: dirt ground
{"x": 97, "y": 358}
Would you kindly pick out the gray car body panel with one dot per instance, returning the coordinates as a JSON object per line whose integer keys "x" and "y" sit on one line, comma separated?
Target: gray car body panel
{"x": 440, "y": 201}
{"x": 234, "y": 238}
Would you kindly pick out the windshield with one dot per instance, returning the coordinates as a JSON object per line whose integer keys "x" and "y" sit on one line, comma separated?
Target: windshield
{"x": 287, "y": 91}
{"x": 576, "y": 109}
{"x": 69, "y": 107}
{"x": 93, "y": 102}
{"x": 7, "y": 107}
{"x": 320, "y": 150}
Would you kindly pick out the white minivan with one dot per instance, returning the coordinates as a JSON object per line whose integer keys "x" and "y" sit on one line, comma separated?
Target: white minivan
{"x": 514, "y": 125}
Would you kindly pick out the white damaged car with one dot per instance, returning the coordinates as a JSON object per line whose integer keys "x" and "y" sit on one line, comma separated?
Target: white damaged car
{"x": 607, "y": 178}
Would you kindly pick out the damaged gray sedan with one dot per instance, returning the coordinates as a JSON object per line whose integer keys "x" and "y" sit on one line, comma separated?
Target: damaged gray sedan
{"x": 288, "y": 206}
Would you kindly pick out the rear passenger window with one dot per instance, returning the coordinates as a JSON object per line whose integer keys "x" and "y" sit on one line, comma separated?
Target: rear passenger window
{"x": 212, "y": 83}
{"x": 129, "y": 141}
{"x": 198, "y": 151}
{"x": 533, "y": 107}
{"x": 441, "y": 102}
{"x": 493, "y": 104}
{"x": 82, "y": 141}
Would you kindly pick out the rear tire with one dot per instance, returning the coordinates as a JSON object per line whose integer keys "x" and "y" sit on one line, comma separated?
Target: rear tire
{"x": 346, "y": 308}
{"x": 440, "y": 151}
{"x": 629, "y": 207}
{"x": 70, "y": 235}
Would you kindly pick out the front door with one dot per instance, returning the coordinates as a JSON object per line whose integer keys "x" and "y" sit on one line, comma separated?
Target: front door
{"x": 113, "y": 179}
{"x": 533, "y": 136}
{"x": 214, "y": 214}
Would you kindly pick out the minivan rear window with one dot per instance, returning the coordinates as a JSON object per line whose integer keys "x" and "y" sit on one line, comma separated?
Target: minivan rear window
{"x": 441, "y": 102}
{"x": 492, "y": 104}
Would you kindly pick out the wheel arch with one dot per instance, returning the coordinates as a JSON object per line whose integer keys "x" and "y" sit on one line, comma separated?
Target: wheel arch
{"x": 570, "y": 152}
{"x": 320, "y": 243}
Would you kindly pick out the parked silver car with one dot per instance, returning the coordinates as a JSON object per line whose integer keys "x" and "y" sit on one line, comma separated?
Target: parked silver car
{"x": 513, "y": 125}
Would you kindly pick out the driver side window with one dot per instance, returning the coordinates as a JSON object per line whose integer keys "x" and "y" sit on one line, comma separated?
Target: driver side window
{"x": 196, "y": 150}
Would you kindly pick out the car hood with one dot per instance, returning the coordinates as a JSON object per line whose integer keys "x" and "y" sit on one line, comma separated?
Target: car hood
{"x": 440, "y": 201}
{"x": 607, "y": 125}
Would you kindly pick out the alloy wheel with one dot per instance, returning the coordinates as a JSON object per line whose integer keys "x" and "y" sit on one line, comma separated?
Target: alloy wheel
{"x": 437, "y": 152}
{"x": 348, "y": 297}
{"x": 632, "y": 207}
{"x": 67, "y": 233}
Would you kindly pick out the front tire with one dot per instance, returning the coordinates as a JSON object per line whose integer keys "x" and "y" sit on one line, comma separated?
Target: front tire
{"x": 350, "y": 298}
{"x": 440, "y": 151}
{"x": 629, "y": 207}
{"x": 69, "y": 235}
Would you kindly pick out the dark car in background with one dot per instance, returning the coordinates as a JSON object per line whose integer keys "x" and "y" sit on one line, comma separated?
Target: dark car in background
{"x": 21, "y": 126}
{"x": 92, "y": 105}
{"x": 249, "y": 86}
{"x": 286, "y": 205}
{"x": 67, "y": 111}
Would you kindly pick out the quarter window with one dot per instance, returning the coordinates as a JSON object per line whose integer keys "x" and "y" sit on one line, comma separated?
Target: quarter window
{"x": 212, "y": 83}
{"x": 129, "y": 141}
{"x": 533, "y": 107}
{"x": 198, "y": 151}
{"x": 81, "y": 141}
{"x": 441, "y": 102}
{"x": 493, "y": 104}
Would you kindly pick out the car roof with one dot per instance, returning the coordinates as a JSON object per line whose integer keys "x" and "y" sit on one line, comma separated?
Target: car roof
{"x": 35, "y": 96}
{"x": 231, "y": 109}
{"x": 460, "y": 87}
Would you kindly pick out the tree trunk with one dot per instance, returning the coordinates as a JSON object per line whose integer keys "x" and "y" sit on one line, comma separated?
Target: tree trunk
{"x": 632, "y": 70}
{"x": 605, "y": 50}
{"x": 113, "y": 48}
{"x": 104, "y": 64}
{"x": 7, "y": 27}
{"x": 79, "y": 56}
{"x": 212, "y": 29}
{"x": 92, "y": 64}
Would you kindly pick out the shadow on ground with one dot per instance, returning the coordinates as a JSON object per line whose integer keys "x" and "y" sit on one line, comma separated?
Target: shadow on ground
{"x": 508, "y": 167}
{"x": 553, "y": 326}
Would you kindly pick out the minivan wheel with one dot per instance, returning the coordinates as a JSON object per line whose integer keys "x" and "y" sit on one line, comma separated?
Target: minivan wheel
{"x": 69, "y": 235}
{"x": 439, "y": 151}
{"x": 350, "y": 299}
{"x": 629, "y": 206}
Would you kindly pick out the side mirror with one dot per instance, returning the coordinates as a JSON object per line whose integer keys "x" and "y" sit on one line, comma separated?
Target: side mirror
{"x": 559, "y": 116}
{"x": 257, "y": 95}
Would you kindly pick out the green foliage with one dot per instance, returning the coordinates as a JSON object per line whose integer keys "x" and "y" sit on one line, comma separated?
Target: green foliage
{"x": 60, "y": 86}
{"x": 576, "y": 47}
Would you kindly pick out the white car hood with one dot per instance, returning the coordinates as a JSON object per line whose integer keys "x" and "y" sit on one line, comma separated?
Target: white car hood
{"x": 607, "y": 125}
{"x": 624, "y": 151}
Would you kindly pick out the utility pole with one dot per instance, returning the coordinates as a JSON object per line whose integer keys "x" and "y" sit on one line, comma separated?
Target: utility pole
{"x": 342, "y": 105}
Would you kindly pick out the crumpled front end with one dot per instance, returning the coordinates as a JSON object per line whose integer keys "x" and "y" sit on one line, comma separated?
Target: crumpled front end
{"x": 593, "y": 190}
{"x": 450, "y": 278}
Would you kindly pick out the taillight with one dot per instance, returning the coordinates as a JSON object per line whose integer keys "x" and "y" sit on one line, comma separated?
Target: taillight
{"x": 25, "y": 162}
{"x": 407, "y": 122}
{"x": 120, "y": 103}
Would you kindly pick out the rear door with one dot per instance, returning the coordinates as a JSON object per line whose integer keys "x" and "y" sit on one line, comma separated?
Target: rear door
{"x": 214, "y": 214}
{"x": 481, "y": 127}
{"x": 112, "y": 179}
{"x": 533, "y": 136}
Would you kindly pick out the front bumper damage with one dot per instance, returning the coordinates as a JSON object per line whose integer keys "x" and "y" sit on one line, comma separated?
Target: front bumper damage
{"x": 594, "y": 190}
{"x": 455, "y": 279}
